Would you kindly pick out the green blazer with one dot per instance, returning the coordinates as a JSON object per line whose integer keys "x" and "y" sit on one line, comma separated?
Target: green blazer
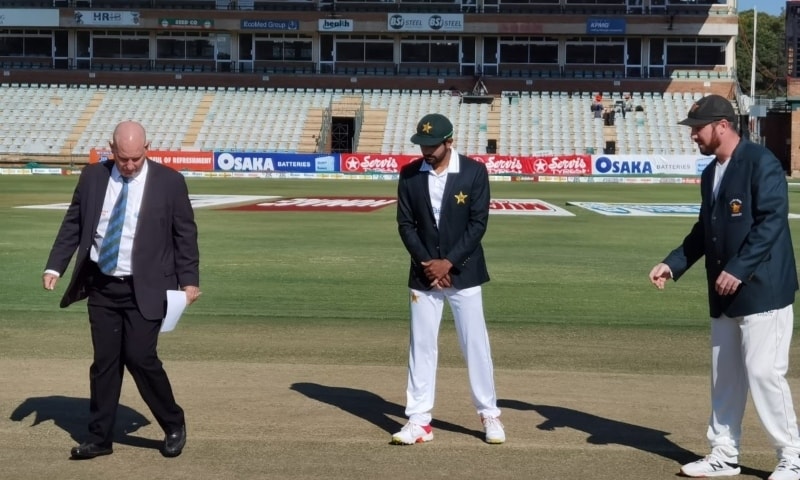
{"x": 464, "y": 215}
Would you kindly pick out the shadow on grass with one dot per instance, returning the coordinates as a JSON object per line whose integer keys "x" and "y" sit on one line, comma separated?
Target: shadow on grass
{"x": 604, "y": 431}
{"x": 370, "y": 407}
{"x": 72, "y": 415}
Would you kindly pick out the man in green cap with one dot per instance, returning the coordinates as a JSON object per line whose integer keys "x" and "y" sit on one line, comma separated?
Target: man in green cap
{"x": 442, "y": 211}
{"x": 743, "y": 233}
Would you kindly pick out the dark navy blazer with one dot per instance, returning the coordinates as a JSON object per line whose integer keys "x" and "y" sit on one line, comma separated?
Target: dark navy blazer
{"x": 165, "y": 253}
{"x": 744, "y": 232}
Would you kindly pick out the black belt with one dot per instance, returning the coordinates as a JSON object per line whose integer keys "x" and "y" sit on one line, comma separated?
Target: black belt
{"x": 121, "y": 278}
{"x": 115, "y": 278}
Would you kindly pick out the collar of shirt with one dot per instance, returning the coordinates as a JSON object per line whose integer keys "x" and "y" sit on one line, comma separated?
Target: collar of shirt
{"x": 452, "y": 167}
{"x": 139, "y": 177}
{"x": 136, "y": 187}
{"x": 719, "y": 173}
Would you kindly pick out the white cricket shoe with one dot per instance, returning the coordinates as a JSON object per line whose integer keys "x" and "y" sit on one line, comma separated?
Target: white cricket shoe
{"x": 412, "y": 433}
{"x": 494, "y": 430}
{"x": 787, "y": 469}
{"x": 710, "y": 466}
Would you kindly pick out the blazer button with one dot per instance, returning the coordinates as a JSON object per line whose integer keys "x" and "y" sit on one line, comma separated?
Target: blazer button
{"x": 719, "y": 262}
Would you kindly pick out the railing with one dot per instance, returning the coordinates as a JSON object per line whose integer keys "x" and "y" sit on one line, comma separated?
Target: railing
{"x": 358, "y": 121}
{"x": 325, "y": 131}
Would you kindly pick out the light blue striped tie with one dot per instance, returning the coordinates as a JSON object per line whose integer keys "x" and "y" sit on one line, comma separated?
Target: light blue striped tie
{"x": 109, "y": 251}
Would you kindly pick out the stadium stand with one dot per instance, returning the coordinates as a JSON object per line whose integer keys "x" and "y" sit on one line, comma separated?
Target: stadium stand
{"x": 277, "y": 119}
{"x": 274, "y": 75}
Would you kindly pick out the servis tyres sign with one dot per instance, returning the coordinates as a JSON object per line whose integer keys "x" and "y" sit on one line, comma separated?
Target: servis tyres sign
{"x": 495, "y": 164}
{"x": 374, "y": 162}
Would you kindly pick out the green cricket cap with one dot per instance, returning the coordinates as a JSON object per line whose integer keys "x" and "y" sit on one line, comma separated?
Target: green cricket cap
{"x": 432, "y": 130}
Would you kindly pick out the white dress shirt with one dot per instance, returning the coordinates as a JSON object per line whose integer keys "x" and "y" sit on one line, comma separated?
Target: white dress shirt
{"x": 719, "y": 172}
{"x": 135, "y": 192}
{"x": 437, "y": 182}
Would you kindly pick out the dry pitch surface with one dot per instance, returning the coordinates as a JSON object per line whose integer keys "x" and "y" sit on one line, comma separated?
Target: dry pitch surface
{"x": 270, "y": 420}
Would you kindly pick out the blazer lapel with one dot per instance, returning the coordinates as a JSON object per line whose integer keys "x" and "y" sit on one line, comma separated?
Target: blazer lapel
{"x": 729, "y": 172}
{"x": 709, "y": 187}
{"x": 448, "y": 191}
{"x": 452, "y": 177}
{"x": 422, "y": 178}
{"x": 98, "y": 196}
{"x": 147, "y": 200}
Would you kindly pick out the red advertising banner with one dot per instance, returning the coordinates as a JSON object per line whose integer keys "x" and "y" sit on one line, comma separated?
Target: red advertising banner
{"x": 495, "y": 164}
{"x": 374, "y": 162}
{"x": 552, "y": 165}
{"x": 538, "y": 165}
{"x": 178, "y": 160}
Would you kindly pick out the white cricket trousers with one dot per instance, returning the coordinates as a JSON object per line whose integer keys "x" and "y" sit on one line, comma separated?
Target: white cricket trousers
{"x": 752, "y": 353}
{"x": 426, "y": 316}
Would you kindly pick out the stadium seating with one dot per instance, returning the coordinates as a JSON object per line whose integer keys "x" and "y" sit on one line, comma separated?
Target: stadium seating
{"x": 549, "y": 122}
{"x": 39, "y": 118}
{"x": 656, "y": 129}
{"x": 69, "y": 120}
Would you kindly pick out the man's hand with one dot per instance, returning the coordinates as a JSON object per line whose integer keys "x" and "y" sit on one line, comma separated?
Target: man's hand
{"x": 659, "y": 275}
{"x": 436, "y": 270}
{"x": 49, "y": 281}
{"x": 192, "y": 293}
{"x": 726, "y": 284}
{"x": 444, "y": 282}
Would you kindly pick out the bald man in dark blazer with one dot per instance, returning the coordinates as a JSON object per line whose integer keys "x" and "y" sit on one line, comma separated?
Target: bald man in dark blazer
{"x": 158, "y": 251}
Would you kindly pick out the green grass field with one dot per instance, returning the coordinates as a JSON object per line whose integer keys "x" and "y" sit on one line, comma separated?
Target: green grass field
{"x": 567, "y": 275}
{"x": 292, "y": 363}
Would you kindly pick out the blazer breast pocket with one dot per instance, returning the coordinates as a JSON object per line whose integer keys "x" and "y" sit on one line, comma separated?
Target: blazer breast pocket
{"x": 734, "y": 205}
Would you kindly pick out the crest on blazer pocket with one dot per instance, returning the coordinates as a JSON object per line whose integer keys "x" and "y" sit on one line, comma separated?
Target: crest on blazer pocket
{"x": 735, "y": 207}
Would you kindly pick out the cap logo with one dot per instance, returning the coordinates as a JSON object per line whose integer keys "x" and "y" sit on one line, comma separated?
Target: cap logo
{"x": 695, "y": 106}
{"x": 427, "y": 127}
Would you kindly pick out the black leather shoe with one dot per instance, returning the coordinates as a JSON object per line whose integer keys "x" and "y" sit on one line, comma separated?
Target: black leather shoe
{"x": 174, "y": 442}
{"x": 86, "y": 451}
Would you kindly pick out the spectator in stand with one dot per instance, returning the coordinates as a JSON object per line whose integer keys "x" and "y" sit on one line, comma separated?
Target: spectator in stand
{"x": 608, "y": 116}
{"x": 627, "y": 104}
{"x": 597, "y": 106}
